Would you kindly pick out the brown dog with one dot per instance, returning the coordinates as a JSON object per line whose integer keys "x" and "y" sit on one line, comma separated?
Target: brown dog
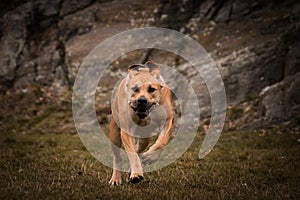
{"x": 141, "y": 99}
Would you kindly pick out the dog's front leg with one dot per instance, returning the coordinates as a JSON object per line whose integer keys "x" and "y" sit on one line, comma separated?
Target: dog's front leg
{"x": 155, "y": 150}
{"x": 136, "y": 171}
{"x": 115, "y": 139}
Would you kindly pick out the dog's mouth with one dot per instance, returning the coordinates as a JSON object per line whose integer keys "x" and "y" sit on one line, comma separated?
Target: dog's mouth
{"x": 142, "y": 111}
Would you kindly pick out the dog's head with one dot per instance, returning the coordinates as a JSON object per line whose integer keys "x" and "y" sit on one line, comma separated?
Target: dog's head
{"x": 144, "y": 86}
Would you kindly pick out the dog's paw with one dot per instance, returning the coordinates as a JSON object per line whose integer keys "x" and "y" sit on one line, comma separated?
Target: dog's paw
{"x": 135, "y": 177}
{"x": 115, "y": 180}
{"x": 150, "y": 157}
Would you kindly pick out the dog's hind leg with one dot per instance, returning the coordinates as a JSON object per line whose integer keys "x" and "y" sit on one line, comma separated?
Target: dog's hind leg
{"x": 142, "y": 144}
{"x": 115, "y": 139}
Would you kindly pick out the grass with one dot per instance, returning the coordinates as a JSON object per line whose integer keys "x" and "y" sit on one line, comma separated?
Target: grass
{"x": 244, "y": 165}
{"x": 42, "y": 157}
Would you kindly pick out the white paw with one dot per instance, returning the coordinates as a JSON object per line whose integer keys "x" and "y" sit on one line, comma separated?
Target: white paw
{"x": 115, "y": 180}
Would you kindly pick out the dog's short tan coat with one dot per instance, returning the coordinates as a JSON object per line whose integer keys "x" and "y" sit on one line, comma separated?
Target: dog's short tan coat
{"x": 142, "y": 84}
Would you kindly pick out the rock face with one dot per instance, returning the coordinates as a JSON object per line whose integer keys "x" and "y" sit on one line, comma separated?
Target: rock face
{"x": 41, "y": 41}
{"x": 279, "y": 102}
{"x": 255, "y": 45}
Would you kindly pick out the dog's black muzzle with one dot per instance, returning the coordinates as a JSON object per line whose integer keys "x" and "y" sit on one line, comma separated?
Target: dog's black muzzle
{"x": 143, "y": 107}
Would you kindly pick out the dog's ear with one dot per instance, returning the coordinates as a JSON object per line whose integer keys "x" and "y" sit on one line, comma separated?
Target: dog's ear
{"x": 154, "y": 68}
{"x": 134, "y": 69}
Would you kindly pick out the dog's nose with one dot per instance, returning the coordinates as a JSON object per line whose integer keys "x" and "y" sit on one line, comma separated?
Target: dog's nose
{"x": 142, "y": 100}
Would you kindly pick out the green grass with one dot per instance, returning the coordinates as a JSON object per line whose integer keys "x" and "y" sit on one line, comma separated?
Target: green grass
{"x": 42, "y": 157}
{"x": 243, "y": 165}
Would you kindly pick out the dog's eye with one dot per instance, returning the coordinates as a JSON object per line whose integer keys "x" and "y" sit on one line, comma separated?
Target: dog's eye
{"x": 151, "y": 89}
{"x": 135, "y": 89}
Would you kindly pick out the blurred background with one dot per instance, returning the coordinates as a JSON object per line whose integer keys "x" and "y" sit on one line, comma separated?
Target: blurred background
{"x": 255, "y": 45}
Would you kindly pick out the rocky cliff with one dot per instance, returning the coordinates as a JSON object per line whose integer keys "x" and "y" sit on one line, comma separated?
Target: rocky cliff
{"x": 255, "y": 45}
